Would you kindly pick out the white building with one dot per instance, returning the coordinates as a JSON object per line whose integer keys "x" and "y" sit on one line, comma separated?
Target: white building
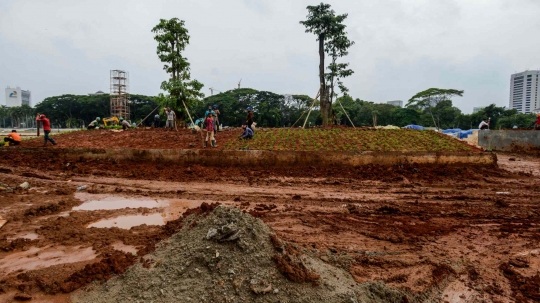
{"x": 15, "y": 96}
{"x": 397, "y": 103}
{"x": 524, "y": 91}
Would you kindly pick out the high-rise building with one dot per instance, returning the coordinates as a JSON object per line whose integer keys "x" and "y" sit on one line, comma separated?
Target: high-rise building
{"x": 15, "y": 96}
{"x": 524, "y": 91}
{"x": 397, "y": 103}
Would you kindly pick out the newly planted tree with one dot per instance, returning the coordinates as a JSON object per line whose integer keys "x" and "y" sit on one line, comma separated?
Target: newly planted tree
{"x": 172, "y": 38}
{"x": 330, "y": 31}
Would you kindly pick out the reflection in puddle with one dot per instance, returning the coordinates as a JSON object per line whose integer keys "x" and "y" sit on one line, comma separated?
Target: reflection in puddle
{"x": 127, "y": 222}
{"x": 99, "y": 202}
{"x": 36, "y": 258}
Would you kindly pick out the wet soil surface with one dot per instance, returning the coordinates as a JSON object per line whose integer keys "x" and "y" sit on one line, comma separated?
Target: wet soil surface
{"x": 469, "y": 233}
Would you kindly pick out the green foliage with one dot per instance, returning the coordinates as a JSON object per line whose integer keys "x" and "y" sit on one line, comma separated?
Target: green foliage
{"x": 172, "y": 38}
{"x": 435, "y": 102}
{"x": 270, "y": 109}
{"x": 519, "y": 120}
{"x": 348, "y": 139}
{"x": 78, "y": 110}
{"x": 330, "y": 31}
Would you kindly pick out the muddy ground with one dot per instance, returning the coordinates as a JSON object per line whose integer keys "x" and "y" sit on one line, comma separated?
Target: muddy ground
{"x": 469, "y": 232}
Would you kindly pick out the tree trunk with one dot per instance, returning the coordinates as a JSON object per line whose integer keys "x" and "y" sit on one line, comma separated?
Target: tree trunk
{"x": 324, "y": 98}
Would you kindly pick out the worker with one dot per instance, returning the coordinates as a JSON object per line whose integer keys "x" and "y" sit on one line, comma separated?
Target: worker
{"x": 125, "y": 124}
{"x": 247, "y": 133}
{"x": 209, "y": 111}
{"x": 216, "y": 120}
{"x": 94, "y": 124}
{"x": 209, "y": 127}
{"x": 249, "y": 120}
{"x": 13, "y": 138}
{"x": 157, "y": 121}
{"x": 171, "y": 117}
{"x": 484, "y": 124}
{"x": 46, "y": 128}
{"x": 537, "y": 123}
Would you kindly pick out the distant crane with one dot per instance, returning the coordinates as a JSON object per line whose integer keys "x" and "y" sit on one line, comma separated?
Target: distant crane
{"x": 212, "y": 90}
{"x": 239, "y": 83}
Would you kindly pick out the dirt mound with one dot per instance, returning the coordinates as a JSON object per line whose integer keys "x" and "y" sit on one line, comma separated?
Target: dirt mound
{"x": 229, "y": 256}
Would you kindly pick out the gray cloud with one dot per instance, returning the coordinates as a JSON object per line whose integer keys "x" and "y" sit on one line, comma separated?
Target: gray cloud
{"x": 402, "y": 47}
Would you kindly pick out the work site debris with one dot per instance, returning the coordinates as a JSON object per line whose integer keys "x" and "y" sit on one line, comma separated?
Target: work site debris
{"x": 226, "y": 256}
{"x": 25, "y": 185}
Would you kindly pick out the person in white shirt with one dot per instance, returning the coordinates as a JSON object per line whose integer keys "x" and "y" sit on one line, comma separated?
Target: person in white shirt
{"x": 484, "y": 124}
{"x": 171, "y": 117}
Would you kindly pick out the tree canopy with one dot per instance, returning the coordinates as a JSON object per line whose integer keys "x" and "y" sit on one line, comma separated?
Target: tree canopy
{"x": 330, "y": 31}
{"x": 172, "y": 37}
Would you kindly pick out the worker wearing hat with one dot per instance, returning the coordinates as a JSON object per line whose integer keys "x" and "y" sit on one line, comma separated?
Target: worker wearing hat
{"x": 46, "y": 128}
{"x": 13, "y": 138}
{"x": 94, "y": 124}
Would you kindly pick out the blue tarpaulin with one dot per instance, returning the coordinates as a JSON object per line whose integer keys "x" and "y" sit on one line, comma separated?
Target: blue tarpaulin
{"x": 413, "y": 126}
{"x": 458, "y": 133}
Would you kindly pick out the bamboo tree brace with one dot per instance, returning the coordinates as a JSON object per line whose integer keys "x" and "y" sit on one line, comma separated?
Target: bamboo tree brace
{"x": 311, "y": 107}
{"x": 346, "y": 113}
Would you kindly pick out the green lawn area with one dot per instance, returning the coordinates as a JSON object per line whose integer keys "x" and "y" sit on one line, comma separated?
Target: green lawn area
{"x": 348, "y": 139}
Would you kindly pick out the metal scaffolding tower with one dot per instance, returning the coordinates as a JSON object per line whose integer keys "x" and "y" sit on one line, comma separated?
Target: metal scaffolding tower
{"x": 120, "y": 94}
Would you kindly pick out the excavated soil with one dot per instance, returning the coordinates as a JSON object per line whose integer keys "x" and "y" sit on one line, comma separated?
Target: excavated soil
{"x": 411, "y": 233}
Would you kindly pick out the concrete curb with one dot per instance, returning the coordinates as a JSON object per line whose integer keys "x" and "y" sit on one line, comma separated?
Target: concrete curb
{"x": 273, "y": 158}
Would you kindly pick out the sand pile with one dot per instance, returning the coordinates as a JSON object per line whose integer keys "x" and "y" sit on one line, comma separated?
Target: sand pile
{"x": 229, "y": 256}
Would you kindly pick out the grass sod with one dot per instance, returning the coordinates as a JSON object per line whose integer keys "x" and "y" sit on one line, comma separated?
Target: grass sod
{"x": 341, "y": 139}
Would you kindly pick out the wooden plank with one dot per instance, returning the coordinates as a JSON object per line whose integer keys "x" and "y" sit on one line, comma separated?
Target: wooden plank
{"x": 2, "y": 222}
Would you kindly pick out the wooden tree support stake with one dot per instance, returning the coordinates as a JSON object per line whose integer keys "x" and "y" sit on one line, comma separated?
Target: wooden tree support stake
{"x": 311, "y": 107}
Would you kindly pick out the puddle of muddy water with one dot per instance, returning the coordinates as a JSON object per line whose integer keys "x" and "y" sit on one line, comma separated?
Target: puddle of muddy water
{"x": 36, "y": 258}
{"x": 127, "y": 222}
{"x": 29, "y": 236}
{"x": 125, "y": 248}
{"x": 105, "y": 202}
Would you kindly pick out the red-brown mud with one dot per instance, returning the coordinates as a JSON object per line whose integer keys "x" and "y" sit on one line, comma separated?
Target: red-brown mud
{"x": 460, "y": 230}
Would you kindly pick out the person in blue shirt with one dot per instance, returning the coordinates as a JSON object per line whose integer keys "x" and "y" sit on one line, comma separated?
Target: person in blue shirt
{"x": 209, "y": 111}
{"x": 247, "y": 133}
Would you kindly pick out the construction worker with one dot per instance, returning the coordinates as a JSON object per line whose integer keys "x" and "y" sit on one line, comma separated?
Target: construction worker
{"x": 537, "y": 123}
{"x": 125, "y": 124}
{"x": 13, "y": 138}
{"x": 484, "y": 124}
{"x": 247, "y": 133}
{"x": 209, "y": 127}
{"x": 216, "y": 115}
{"x": 94, "y": 124}
{"x": 46, "y": 128}
{"x": 157, "y": 120}
{"x": 249, "y": 120}
{"x": 171, "y": 117}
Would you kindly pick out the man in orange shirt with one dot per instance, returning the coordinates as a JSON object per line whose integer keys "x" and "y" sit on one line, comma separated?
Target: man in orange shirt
{"x": 13, "y": 138}
{"x": 46, "y": 128}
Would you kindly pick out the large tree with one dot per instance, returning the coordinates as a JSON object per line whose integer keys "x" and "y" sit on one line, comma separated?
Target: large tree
{"x": 172, "y": 38}
{"x": 430, "y": 99}
{"x": 330, "y": 31}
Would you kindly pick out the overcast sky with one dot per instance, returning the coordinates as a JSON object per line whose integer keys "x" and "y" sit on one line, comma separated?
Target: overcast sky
{"x": 59, "y": 47}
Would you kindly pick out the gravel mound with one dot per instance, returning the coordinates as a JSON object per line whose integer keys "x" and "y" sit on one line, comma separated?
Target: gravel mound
{"x": 229, "y": 256}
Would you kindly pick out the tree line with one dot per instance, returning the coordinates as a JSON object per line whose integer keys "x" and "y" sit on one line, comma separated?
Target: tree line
{"x": 271, "y": 110}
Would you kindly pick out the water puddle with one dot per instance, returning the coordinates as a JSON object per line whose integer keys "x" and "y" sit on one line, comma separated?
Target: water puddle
{"x": 36, "y": 258}
{"x": 29, "y": 236}
{"x": 107, "y": 202}
{"x": 127, "y": 222}
{"x": 125, "y": 248}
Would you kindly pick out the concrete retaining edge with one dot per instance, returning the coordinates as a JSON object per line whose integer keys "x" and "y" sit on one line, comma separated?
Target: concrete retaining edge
{"x": 275, "y": 158}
